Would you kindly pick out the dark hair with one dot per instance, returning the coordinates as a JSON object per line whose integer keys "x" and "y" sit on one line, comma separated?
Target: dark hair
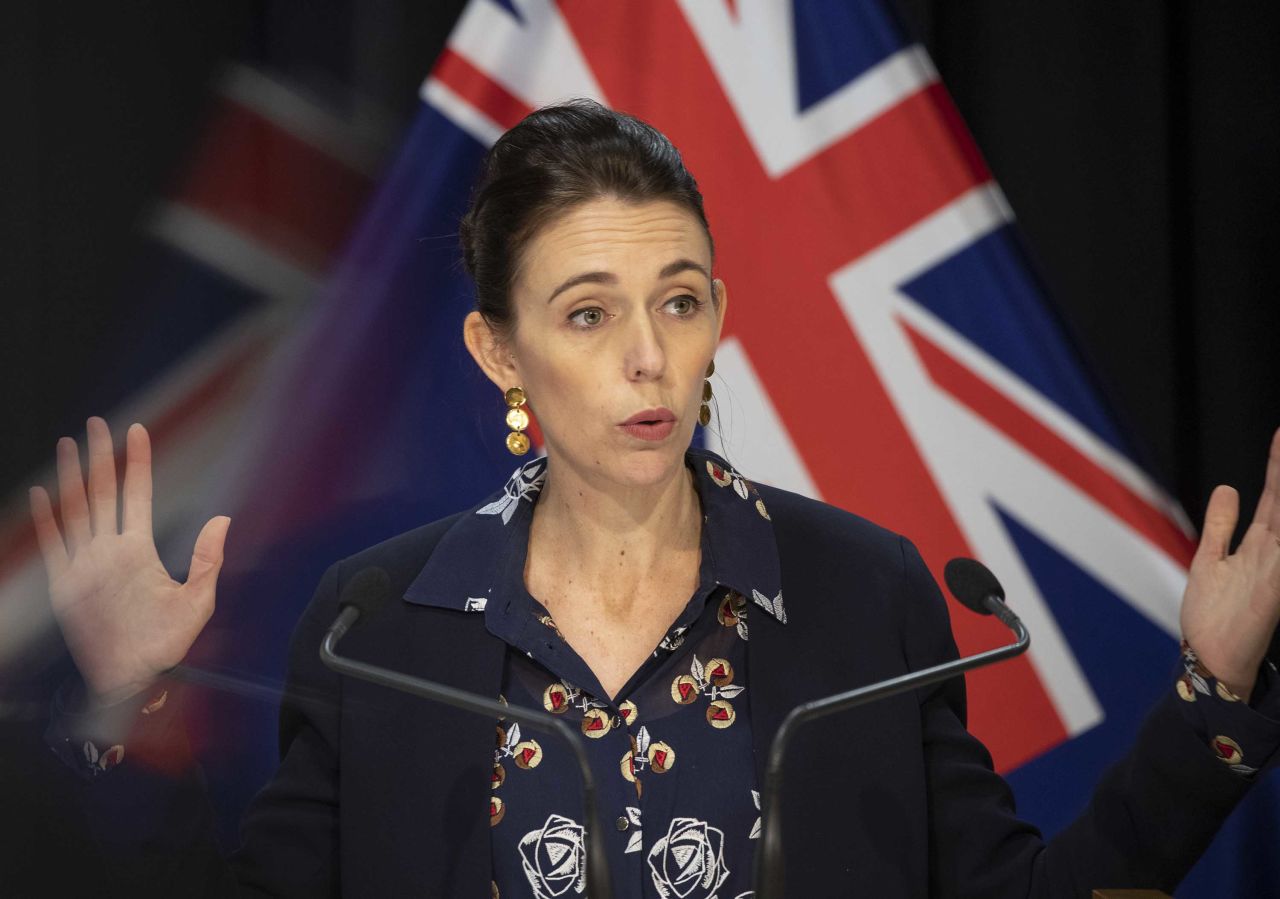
{"x": 554, "y": 159}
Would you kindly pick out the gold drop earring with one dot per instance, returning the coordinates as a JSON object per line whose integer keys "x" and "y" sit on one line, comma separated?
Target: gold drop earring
{"x": 517, "y": 421}
{"x": 704, "y": 413}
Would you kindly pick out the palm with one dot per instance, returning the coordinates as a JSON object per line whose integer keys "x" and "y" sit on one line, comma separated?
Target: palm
{"x": 1232, "y": 601}
{"x": 124, "y": 618}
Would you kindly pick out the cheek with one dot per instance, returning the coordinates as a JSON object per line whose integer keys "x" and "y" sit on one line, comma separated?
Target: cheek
{"x": 565, "y": 398}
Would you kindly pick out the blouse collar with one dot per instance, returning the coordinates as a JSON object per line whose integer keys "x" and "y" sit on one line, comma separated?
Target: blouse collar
{"x": 480, "y": 559}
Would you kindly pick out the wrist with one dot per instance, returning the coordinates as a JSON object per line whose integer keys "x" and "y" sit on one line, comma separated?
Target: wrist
{"x": 1241, "y": 689}
{"x": 1232, "y": 686}
{"x": 96, "y": 702}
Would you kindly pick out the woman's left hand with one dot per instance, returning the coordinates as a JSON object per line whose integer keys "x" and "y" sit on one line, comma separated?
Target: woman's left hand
{"x": 1232, "y": 603}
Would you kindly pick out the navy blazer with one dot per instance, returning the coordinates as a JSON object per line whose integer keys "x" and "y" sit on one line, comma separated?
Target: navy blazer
{"x": 380, "y": 794}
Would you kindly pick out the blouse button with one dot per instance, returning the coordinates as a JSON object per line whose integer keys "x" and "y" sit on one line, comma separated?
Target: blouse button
{"x": 623, "y": 823}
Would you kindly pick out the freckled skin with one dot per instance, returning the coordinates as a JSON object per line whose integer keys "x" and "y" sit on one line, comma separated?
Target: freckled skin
{"x": 589, "y": 359}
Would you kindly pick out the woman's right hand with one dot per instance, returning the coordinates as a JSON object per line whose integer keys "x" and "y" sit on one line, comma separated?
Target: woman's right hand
{"x": 125, "y": 620}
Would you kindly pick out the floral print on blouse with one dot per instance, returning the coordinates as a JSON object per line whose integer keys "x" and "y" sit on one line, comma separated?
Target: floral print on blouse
{"x": 672, "y": 751}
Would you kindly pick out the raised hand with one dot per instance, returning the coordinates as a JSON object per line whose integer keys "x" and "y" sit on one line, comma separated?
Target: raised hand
{"x": 1232, "y": 602}
{"x": 124, "y": 618}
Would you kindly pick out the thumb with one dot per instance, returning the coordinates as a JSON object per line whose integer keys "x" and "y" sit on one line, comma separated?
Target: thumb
{"x": 206, "y": 558}
{"x": 1219, "y": 523}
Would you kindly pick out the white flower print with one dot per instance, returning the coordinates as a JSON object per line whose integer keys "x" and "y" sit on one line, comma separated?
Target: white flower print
{"x": 648, "y": 755}
{"x": 634, "y": 841}
{"x": 755, "y": 828}
{"x": 523, "y": 484}
{"x": 688, "y": 862}
{"x": 580, "y": 699}
{"x": 672, "y": 641}
{"x": 509, "y": 745}
{"x": 773, "y": 606}
{"x": 554, "y": 858}
{"x": 476, "y": 603}
{"x": 726, "y": 477}
{"x": 707, "y": 686}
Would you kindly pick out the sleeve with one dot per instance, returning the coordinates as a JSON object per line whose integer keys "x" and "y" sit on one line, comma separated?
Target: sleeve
{"x": 1243, "y": 735}
{"x": 91, "y": 742}
{"x": 148, "y": 808}
{"x": 1150, "y": 818}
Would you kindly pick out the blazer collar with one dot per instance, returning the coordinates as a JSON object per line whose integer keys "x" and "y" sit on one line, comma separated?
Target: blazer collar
{"x": 479, "y": 562}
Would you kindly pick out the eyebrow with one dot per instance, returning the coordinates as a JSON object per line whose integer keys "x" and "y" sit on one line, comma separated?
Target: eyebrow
{"x": 668, "y": 270}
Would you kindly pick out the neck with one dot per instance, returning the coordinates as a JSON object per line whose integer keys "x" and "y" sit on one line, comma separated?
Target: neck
{"x": 603, "y": 531}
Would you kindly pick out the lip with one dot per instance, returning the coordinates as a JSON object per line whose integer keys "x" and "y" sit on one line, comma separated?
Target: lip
{"x": 662, "y": 413}
{"x": 651, "y": 424}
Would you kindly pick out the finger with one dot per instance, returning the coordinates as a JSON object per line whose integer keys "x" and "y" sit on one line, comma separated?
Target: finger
{"x": 1219, "y": 523}
{"x": 206, "y": 558}
{"x": 102, "y": 477}
{"x": 1268, "y": 511}
{"x": 137, "y": 479}
{"x": 75, "y": 509}
{"x": 47, "y": 533}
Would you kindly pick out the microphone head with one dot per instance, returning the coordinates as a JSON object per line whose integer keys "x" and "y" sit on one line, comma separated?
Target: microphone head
{"x": 366, "y": 592}
{"x": 971, "y": 582}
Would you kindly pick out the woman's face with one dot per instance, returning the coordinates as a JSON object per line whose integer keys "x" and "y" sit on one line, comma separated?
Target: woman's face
{"x": 615, "y": 323}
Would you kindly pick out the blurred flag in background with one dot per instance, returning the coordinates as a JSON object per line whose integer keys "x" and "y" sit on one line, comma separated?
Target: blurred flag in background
{"x": 889, "y": 350}
{"x": 232, "y": 260}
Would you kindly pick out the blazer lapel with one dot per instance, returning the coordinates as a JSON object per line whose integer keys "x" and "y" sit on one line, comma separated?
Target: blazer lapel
{"x": 436, "y": 759}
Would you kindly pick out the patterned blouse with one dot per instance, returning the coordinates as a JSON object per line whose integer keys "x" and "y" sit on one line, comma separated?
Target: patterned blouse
{"x": 672, "y": 752}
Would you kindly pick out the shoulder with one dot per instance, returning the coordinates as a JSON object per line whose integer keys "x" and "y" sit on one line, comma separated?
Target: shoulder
{"x": 851, "y": 567}
{"x": 807, "y": 530}
{"x": 403, "y": 555}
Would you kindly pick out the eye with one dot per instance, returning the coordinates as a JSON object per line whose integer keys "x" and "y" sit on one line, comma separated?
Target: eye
{"x": 684, "y": 305}
{"x": 587, "y": 318}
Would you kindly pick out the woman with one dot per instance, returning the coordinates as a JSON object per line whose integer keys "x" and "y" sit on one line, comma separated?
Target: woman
{"x": 636, "y": 587}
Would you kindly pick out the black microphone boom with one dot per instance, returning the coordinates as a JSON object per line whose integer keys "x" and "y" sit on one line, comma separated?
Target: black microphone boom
{"x": 364, "y": 595}
{"x": 977, "y": 588}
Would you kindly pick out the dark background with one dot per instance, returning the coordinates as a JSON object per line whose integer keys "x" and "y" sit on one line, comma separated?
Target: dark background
{"x": 1138, "y": 143}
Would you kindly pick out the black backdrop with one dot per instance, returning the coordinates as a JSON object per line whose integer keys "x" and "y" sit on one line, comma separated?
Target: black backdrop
{"x": 1138, "y": 142}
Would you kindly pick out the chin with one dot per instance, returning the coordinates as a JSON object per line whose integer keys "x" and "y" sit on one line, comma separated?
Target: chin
{"x": 644, "y": 466}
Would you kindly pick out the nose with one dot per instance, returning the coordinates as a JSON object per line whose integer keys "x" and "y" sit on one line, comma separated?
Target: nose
{"x": 644, "y": 356}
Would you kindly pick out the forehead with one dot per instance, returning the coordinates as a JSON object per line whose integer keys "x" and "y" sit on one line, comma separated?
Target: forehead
{"x": 618, "y": 236}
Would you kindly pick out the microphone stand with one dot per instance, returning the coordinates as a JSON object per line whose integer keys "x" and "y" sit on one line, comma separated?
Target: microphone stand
{"x": 770, "y": 876}
{"x": 597, "y": 873}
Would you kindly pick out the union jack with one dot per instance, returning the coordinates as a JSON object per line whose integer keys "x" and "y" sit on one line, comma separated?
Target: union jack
{"x": 889, "y": 349}
{"x": 874, "y": 357}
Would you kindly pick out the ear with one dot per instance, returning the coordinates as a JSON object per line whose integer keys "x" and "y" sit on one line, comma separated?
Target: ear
{"x": 722, "y": 303}
{"x": 491, "y": 352}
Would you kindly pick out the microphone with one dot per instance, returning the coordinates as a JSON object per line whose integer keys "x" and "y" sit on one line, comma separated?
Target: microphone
{"x": 977, "y": 589}
{"x": 363, "y": 596}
